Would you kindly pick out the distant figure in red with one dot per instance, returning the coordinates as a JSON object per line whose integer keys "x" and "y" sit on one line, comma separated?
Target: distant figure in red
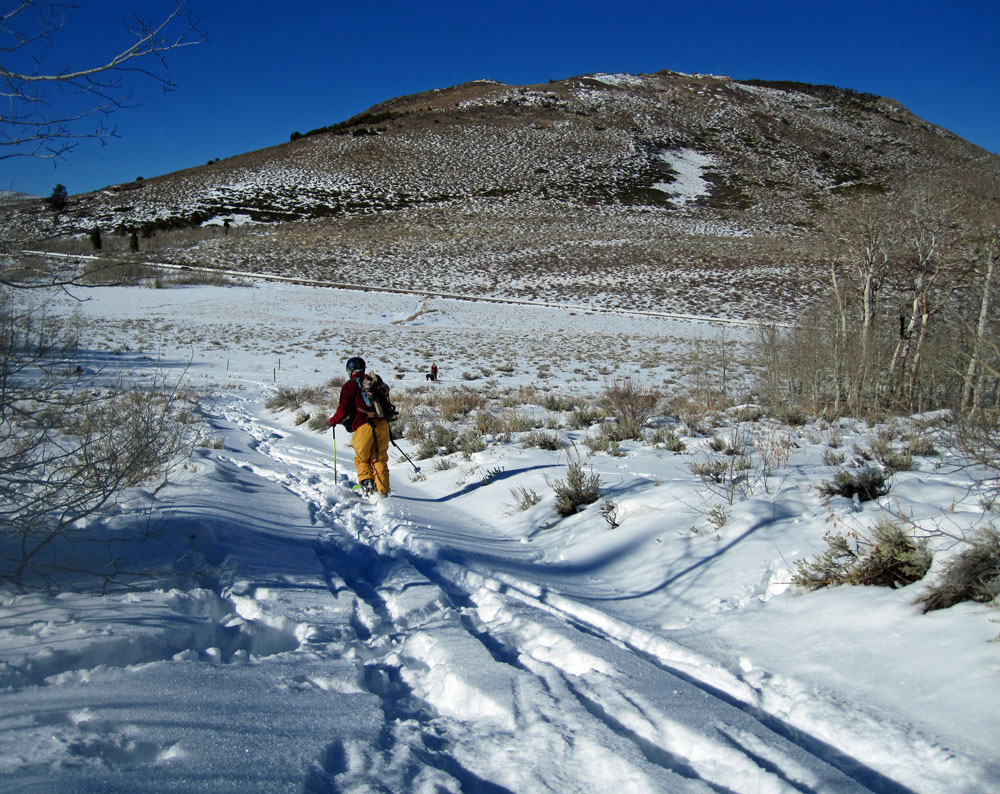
{"x": 433, "y": 374}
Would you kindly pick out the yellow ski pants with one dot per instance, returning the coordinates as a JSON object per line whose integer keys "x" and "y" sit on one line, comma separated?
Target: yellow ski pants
{"x": 371, "y": 453}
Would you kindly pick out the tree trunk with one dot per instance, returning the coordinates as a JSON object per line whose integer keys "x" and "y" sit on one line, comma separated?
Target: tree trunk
{"x": 900, "y": 356}
{"x": 971, "y": 397}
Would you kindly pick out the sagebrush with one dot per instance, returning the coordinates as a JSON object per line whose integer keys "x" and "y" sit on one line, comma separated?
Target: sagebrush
{"x": 889, "y": 557}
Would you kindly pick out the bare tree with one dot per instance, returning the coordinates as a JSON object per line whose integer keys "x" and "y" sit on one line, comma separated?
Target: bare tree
{"x": 977, "y": 371}
{"x": 928, "y": 276}
{"x": 867, "y": 246}
{"x": 70, "y": 443}
{"x": 36, "y": 120}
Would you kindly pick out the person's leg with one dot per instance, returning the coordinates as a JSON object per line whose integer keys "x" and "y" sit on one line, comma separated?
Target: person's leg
{"x": 380, "y": 464}
{"x": 363, "y": 442}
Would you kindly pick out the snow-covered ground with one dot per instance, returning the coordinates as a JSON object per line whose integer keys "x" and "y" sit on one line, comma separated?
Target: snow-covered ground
{"x": 301, "y": 639}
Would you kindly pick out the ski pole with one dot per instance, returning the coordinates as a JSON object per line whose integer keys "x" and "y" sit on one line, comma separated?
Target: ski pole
{"x": 416, "y": 468}
{"x": 333, "y": 435}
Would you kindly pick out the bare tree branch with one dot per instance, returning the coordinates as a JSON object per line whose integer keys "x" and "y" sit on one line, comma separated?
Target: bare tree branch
{"x": 30, "y": 124}
{"x": 70, "y": 442}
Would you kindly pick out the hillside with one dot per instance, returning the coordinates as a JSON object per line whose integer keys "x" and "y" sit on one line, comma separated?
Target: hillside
{"x": 618, "y": 189}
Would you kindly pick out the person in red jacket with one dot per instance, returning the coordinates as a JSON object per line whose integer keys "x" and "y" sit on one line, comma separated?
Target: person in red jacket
{"x": 370, "y": 433}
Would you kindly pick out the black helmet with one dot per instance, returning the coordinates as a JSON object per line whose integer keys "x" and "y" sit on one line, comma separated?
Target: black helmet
{"x": 355, "y": 364}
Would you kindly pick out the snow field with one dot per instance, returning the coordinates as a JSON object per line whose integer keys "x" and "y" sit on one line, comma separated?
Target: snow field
{"x": 441, "y": 641}
{"x": 451, "y": 670}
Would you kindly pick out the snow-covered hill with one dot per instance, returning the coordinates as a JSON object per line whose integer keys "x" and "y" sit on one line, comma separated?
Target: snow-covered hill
{"x": 300, "y": 639}
{"x": 640, "y": 186}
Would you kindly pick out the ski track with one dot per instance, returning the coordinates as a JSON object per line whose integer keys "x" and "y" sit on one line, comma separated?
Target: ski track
{"x": 445, "y": 646}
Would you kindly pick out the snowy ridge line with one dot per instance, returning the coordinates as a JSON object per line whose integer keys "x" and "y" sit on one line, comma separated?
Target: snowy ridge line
{"x": 304, "y": 282}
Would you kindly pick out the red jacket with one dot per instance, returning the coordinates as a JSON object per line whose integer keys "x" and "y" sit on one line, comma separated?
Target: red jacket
{"x": 351, "y": 402}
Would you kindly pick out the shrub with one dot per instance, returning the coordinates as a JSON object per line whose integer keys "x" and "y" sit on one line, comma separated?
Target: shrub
{"x": 470, "y": 442}
{"x": 318, "y": 423}
{"x": 517, "y": 421}
{"x": 717, "y": 444}
{"x": 489, "y": 424}
{"x": 892, "y": 459}
{"x": 71, "y": 446}
{"x": 972, "y": 575}
{"x": 890, "y": 558}
{"x": 668, "y": 437}
{"x": 793, "y": 416}
{"x": 293, "y": 399}
{"x": 524, "y": 497}
{"x": 606, "y": 440}
{"x": 627, "y": 429}
{"x": 749, "y": 414}
{"x": 629, "y": 400}
{"x": 554, "y": 402}
{"x": 439, "y": 440}
{"x": 711, "y": 470}
{"x": 832, "y": 458}
{"x": 897, "y": 460}
{"x": 584, "y": 417}
{"x": 457, "y": 403}
{"x": 542, "y": 440}
{"x": 118, "y": 273}
{"x": 524, "y": 395}
{"x": 921, "y": 445}
{"x": 610, "y": 513}
{"x": 577, "y": 490}
{"x": 868, "y": 484}
{"x": 610, "y": 434}
{"x": 718, "y": 516}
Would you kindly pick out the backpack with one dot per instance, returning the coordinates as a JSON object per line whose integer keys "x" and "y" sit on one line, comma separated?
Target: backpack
{"x": 376, "y": 396}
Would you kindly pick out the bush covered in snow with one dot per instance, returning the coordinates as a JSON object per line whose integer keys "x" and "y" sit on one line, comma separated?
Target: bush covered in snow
{"x": 577, "y": 490}
{"x": 867, "y": 484}
{"x": 889, "y": 558}
{"x": 972, "y": 575}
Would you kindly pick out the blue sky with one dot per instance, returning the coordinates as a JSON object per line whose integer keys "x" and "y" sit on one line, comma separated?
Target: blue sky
{"x": 267, "y": 69}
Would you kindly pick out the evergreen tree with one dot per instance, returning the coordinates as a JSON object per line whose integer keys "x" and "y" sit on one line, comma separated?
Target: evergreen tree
{"x": 58, "y": 200}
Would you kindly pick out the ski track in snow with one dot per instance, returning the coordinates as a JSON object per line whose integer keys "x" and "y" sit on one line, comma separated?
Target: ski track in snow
{"x": 445, "y": 645}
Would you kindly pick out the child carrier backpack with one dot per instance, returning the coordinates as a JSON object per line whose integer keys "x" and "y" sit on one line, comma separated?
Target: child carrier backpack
{"x": 376, "y": 396}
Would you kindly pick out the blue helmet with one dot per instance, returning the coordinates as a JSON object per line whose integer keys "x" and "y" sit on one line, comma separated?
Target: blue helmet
{"x": 355, "y": 364}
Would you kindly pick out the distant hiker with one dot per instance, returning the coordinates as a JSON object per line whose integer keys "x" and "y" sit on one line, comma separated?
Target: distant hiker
{"x": 364, "y": 409}
{"x": 433, "y": 374}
